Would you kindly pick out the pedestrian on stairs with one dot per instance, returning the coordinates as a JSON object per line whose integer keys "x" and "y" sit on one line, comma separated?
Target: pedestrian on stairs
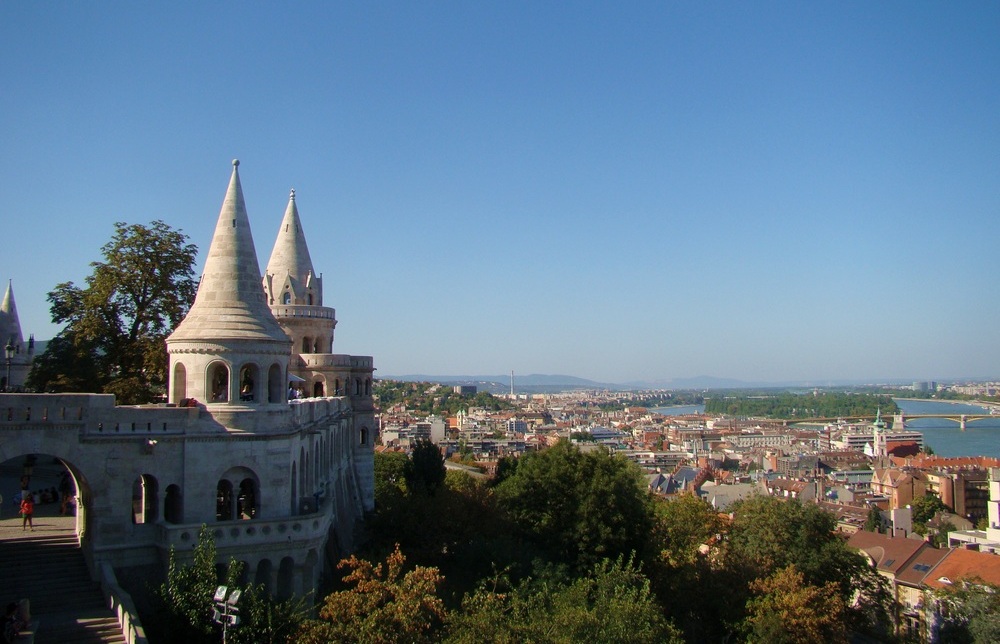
{"x": 27, "y": 509}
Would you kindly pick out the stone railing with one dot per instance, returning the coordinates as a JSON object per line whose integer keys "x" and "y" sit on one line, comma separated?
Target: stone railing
{"x": 122, "y": 605}
{"x": 298, "y": 529}
{"x": 303, "y": 311}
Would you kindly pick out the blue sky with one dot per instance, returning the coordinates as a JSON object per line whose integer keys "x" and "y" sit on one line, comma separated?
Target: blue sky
{"x": 765, "y": 191}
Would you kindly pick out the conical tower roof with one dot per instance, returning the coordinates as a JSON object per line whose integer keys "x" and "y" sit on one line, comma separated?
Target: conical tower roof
{"x": 10, "y": 324}
{"x": 230, "y": 303}
{"x": 290, "y": 255}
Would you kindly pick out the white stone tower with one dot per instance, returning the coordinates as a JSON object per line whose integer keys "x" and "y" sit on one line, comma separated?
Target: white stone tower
{"x": 229, "y": 349}
{"x": 295, "y": 294}
{"x": 10, "y": 335}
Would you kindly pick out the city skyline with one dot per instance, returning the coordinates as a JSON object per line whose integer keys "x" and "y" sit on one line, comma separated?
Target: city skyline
{"x": 777, "y": 193}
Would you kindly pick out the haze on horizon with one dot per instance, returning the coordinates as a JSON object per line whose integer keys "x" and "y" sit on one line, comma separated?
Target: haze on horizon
{"x": 793, "y": 191}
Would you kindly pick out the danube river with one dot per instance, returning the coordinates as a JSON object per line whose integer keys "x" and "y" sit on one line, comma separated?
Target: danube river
{"x": 981, "y": 437}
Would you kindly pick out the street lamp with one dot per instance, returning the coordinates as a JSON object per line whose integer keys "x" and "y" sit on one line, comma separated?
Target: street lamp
{"x": 225, "y": 612}
{"x": 9, "y": 351}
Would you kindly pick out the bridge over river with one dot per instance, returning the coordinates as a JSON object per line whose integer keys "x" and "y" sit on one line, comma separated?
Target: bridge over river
{"x": 898, "y": 420}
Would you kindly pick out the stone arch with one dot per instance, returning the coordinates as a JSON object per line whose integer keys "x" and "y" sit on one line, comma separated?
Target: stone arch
{"x": 218, "y": 381}
{"x": 250, "y": 382}
{"x": 318, "y": 389}
{"x": 173, "y": 505}
{"x": 178, "y": 383}
{"x": 364, "y": 435}
{"x": 237, "y": 495}
{"x": 357, "y": 386}
{"x": 368, "y": 386}
{"x": 286, "y": 578}
{"x": 336, "y": 387}
{"x": 309, "y": 299}
{"x": 224, "y": 500}
{"x": 307, "y": 344}
{"x": 145, "y": 499}
{"x": 286, "y": 298}
{"x": 295, "y": 496}
{"x": 248, "y": 499}
{"x": 46, "y": 465}
{"x": 309, "y": 572}
{"x": 275, "y": 385}
{"x": 264, "y": 575}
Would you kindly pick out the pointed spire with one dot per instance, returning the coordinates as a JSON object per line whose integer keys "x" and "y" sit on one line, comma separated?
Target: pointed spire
{"x": 230, "y": 301}
{"x": 10, "y": 324}
{"x": 290, "y": 256}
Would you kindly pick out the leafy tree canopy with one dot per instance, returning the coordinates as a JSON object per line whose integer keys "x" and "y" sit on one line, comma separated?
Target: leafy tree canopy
{"x": 580, "y": 507}
{"x": 116, "y": 326}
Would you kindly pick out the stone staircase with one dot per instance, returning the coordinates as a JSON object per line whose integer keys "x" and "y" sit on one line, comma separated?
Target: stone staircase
{"x": 48, "y": 569}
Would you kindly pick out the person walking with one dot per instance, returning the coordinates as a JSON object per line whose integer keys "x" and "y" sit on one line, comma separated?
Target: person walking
{"x": 27, "y": 509}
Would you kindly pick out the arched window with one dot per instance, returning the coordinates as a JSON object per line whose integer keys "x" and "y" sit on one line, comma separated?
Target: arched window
{"x": 173, "y": 505}
{"x": 357, "y": 386}
{"x": 364, "y": 435}
{"x": 336, "y": 387}
{"x": 275, "y": 390}
{"x": 286, "y": 298}
{"x": 144, "y": 499}
{"x": 295, "y": 490}
{"x": 246, "y": 502}
{"x": 310, "y": 299}
{"x": 238, "y": 500}
{"x": 264, "y": 576}
{"x": 318, "y": 390}
{"x": 224, "y": 501}
{"x": 179, "y": 382}
{"x": 218, "y": 380}
{"x": 368, "y": 387}
{"x": 286, "y": 578}
{"x": 306, "y": 345}
{"x": 249, "y": 379}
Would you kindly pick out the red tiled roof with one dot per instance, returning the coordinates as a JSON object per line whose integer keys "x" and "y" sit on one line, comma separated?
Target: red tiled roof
{"x": 965, "y": 564}
{"x": 890, "y": 553}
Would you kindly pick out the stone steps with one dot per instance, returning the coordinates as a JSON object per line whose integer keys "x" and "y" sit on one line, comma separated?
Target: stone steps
{"x": 49, "y": 570}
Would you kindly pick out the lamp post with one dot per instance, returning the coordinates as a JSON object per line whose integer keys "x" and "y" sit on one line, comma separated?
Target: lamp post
{"x": 225, "y": 612}
{"x": 9, "y": 351}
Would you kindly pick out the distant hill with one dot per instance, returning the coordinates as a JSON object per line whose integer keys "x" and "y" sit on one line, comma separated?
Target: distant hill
{"x": 531, "y": 383}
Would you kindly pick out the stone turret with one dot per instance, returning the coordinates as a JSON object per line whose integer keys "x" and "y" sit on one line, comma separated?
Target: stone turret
{"x": 295, "y": 295}
{"x": 229, "y": 348}
{"x": 10, "y": 335}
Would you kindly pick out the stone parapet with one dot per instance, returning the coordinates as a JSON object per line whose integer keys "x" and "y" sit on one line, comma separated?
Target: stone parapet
{"x": 303, "y": 311}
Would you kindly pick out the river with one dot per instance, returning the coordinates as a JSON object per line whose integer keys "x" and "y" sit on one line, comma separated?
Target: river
{"x": 981, "y": 438}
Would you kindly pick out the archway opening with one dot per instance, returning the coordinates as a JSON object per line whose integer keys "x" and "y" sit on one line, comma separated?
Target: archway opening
{"x": 218, "y": 378}
{"x": 60, "y": 495}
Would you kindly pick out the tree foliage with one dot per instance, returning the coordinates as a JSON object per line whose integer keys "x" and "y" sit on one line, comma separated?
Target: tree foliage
{"x": 425, "y": 471}
{"x": 186, "y": 603}
{"x": 786, "y": 609}
{"x": 612, "y": 603}
{"x": 387, "y": 603}
{"x": 970, "y": 613}
{"x": 116, "y": 326}
{"x": 580, "y": 507}
{"x": 789, "y": 405}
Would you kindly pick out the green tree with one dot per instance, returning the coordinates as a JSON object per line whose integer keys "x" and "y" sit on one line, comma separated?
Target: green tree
{"x": 612, "y": 603}
{"x": 185, "y": 605}
{"x": 425, "y": 471}
{"x": 925, "y": 507}
{"x": 385, "y": 604}
{"x": 119, "y": 322}
{"x": 970, "y": 613}
{"x": 185, "y": 599}
{"x": 580, "y": 507}
{"x": 874, "y": 522}
{"x": 768, "y": 534}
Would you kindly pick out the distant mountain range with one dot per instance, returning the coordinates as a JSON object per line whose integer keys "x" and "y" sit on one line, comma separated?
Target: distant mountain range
{"x": 556, "y": 382}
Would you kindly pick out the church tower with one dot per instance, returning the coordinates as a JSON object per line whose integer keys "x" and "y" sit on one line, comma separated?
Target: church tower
{"x": 229, "y": 349}
{"x": 21, "y": 357}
